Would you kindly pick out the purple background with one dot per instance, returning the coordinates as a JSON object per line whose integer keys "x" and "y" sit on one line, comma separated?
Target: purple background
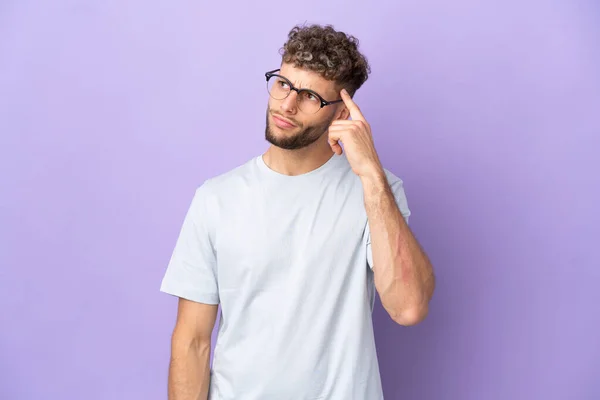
{"x": 112, "y": 112}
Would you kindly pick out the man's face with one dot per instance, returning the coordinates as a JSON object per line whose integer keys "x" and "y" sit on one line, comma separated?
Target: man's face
{"x": 291, "y": 128}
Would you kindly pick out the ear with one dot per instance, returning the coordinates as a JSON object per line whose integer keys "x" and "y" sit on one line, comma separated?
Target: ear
{"x": 344, "y": 113}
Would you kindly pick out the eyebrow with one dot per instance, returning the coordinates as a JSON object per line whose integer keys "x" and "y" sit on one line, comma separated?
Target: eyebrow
{"x": 319, "y": 92}
{"x": 298, "y": 86}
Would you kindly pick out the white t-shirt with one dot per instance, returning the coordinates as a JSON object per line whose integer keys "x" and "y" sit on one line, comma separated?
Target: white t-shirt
{"x": 287, "y": 258}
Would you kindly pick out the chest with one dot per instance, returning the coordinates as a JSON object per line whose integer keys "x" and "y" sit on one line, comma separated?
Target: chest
{"x": 272, "y": 236}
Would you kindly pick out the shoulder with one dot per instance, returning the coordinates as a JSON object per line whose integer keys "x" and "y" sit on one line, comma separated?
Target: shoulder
{"x": 397, "y": 186}
{"x": 227, "y": 182}
{"x": 212, "y": 193}
{"x": 393, "y": 179}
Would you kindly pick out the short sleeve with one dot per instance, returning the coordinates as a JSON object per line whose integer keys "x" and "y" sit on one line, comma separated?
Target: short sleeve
{"x": 397, "y": 186}
{"x": 192, "y": 269}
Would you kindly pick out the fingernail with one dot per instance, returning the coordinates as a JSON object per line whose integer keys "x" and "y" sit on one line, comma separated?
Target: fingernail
{"x": 344, "y": 91}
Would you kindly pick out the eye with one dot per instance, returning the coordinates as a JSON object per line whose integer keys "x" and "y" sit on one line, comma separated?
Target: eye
{"x": 283, "y": 84}
{"x": 311, "y": 97}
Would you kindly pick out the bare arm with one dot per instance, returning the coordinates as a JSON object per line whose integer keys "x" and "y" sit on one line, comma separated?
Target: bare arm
{"x": 403, "y": 273}
{"x": 189, "y": 369}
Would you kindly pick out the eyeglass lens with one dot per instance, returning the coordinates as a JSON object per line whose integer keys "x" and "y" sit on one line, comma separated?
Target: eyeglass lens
{"x": 279, "y": 89}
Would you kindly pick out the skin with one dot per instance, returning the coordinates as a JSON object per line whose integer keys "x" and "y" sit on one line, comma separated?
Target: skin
{"x": 189, "y": 368}
{"x": 312, "y": 127}
{"x": 403, "y": 274}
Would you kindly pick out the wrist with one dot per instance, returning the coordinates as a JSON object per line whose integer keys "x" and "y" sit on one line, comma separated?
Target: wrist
{"x": 375, "y": 178}
{"x": 375, "y": 184}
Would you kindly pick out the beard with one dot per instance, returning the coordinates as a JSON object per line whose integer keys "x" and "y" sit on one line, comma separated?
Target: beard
{"x": 306, "y": 135}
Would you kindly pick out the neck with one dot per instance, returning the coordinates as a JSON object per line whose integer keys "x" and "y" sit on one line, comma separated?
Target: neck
{"x": 297, "y": 162}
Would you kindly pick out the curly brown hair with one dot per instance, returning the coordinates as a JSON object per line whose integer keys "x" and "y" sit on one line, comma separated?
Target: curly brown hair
{"x": 332, "y": 54}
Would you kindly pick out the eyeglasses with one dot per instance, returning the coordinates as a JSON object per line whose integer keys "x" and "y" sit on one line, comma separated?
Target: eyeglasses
{"x": 308, "y": 101}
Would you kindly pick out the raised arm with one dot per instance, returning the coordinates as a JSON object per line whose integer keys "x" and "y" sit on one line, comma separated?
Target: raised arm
{"x": 403, "y": 273}
{"x": 189, "y": 368}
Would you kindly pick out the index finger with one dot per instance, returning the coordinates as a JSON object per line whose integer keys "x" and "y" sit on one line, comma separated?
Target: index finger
{"x": 351, "y": 106}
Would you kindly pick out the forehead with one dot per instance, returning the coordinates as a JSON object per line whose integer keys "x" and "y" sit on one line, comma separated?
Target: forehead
{"x": 305, "y": 79}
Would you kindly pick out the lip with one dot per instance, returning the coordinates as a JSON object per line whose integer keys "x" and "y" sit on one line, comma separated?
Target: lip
{"x": 282, "y": 122}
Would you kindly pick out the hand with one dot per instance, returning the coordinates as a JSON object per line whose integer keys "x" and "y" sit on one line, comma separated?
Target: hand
{"x": 356, "y": 137}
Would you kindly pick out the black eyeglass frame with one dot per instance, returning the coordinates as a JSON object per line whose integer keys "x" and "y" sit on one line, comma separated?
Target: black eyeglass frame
{"x": 323, "y": 102}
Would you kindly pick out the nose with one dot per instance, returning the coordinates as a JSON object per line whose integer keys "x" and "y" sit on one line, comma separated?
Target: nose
{"x": 289, "y": 104}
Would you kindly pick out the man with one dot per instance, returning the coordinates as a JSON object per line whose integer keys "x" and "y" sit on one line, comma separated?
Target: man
{"x": 293, "y": 244}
